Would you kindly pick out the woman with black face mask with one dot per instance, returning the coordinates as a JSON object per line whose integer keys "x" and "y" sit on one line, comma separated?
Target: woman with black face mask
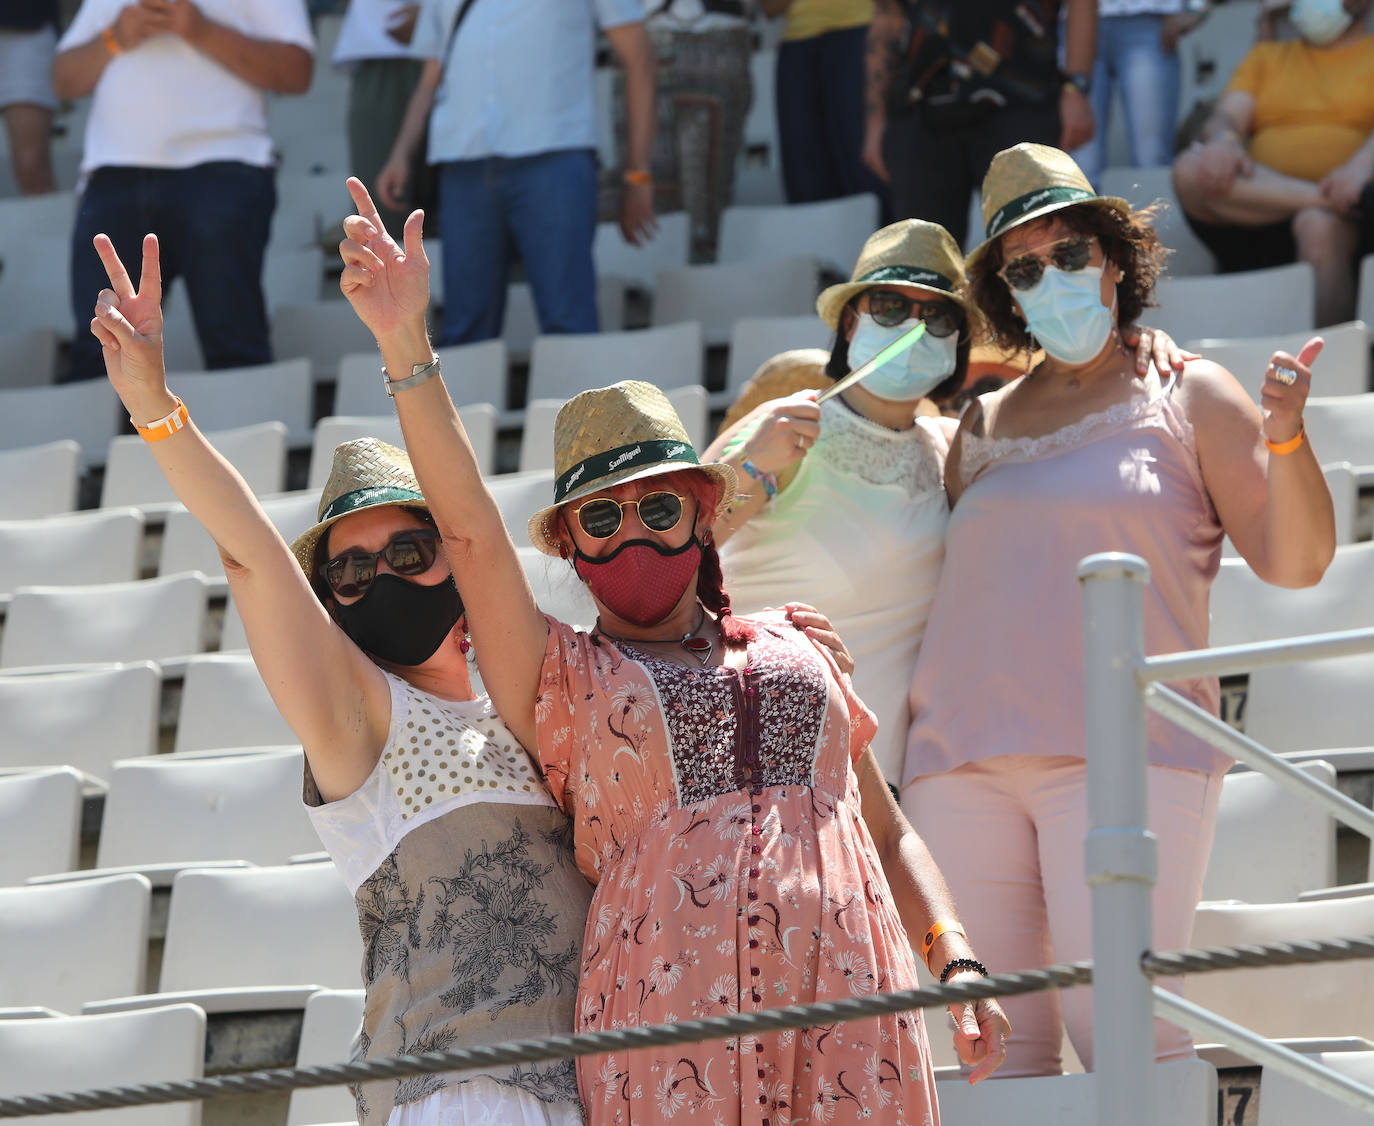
{"x": 746, "y": 851}
{"x": 469, "y": 900}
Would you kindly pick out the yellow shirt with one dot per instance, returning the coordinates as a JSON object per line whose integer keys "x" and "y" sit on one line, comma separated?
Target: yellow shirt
{"x": 1313, "y": 107}
{"x": 808, "y": 18}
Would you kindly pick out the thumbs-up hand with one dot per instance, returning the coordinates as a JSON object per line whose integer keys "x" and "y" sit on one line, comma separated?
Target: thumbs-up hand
{"x": 1287, "y": 382}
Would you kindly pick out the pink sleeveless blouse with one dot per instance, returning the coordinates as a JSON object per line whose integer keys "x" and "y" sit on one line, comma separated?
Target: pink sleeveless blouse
{"x": 1001, "y": 669}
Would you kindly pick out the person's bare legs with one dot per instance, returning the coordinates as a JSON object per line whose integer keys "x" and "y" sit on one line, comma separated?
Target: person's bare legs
{"x": 1327, "y": 242}
{"x": 1265, "y": 196}
{"x": 30, "y": 130}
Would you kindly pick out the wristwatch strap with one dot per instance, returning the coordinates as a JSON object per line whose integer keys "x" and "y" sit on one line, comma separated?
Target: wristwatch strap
{"x": 420, "y": 373}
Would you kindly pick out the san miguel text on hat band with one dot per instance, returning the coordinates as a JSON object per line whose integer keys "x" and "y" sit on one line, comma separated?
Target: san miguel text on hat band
{"x": 1008, "y": 213}
{"x": 909, "y": 275}
{"x": 365, "y": 498}
{"x": 650, "y": 452}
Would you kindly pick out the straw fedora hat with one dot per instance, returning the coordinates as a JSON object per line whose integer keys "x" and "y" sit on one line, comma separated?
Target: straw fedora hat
{"x": 616, "y": 434}
{"x": 1028, "y": 181}
{"x": 911, "y": 254}
{"x": 366, "y": 473}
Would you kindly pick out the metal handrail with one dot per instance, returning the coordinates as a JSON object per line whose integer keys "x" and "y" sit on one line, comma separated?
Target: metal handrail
{"x": 1121, "y": 682}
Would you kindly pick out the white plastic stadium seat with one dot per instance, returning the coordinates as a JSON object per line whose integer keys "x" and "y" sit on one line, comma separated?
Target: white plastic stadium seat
{"x": 562, "y": 366}
{"x": 84, "y": 547}
{"x": 1246, "y": 609}
{"x": 323, "y": 332}
{"x": 1287, "y": 1102}
{"x": 522, "y": 320}
{"x": 87, "y": 411}
{"x": 639, "y": 265}
{"x": 187, "y": 546}
{"x": 1332, "y": 999}
{"x": 81, "y": 1052}
{"x": 234, "y": 397}
{"x": 332, "y": 1018}
{"x": 152, "y": 619}
{"x": 132, "y": 475}
{"x": 479, "y": 420}
{"x": 536, "y": 441}
{"x": 52, "y": 213}
{"x": 1147, "y": 186}
{"x": 1270, "y": 844}
{"x": 28, "y": 358}
{"x": 85, "y": 718}
{"x": 41, "y": 297}
{"x": 756, "y": 340}
{"x": 1186, "y": 1094}
{"x": 73, "y": 942}
{"x": 1251, "y": 303}
{"x": 163, "y": 813}
{"x": 40, "y": 823}
{"x": 39, "y": 480}
{"x": 557, "y": 589}
{"x": 473, "y": 373}
{"x": 717, "y": 296}
{"x": 224, "y": 703}
{"x": 290, "y": 276}
{"x": 1315, "y": 704}
{"x": 1343, "y": 480}
{"x": 255, "y": 939}
{"x": 1342, "y": 368}
{"x": 833, "y": 231}
{"x": 1341, "y": 428}
{"x": 519, "y": 496}
{"x": 1365, "y": 304}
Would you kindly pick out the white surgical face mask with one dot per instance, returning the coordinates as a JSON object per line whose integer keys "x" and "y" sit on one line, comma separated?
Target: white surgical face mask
{"x": 1320, "y": 21}
{"x": 909, "y": 375}
{"x": 1064, "y": 312}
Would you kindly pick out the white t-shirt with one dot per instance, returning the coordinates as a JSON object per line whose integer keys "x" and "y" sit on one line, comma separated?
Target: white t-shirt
{"x": 363, "y": 33}
{"x": 166, "y": 105}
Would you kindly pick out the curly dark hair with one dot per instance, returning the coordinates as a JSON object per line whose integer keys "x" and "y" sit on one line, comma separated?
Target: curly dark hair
{"x": 1128, "y": 241}
{"x": 837, "y": 367}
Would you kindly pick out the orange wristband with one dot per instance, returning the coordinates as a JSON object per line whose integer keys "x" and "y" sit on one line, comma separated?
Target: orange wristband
{"x": 638, "y": 177}
{"x": 1289, "y": 446}
{"x": 111, "y": 42}
{"x": 166, "y": 426}
{"x": 936, "y": 930}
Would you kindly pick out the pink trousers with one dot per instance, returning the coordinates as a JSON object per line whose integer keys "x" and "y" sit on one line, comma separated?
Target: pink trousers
{"x": 1007, "y": 833}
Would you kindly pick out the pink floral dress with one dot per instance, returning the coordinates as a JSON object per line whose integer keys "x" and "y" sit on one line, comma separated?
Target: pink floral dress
{"x": 718, "y": 815}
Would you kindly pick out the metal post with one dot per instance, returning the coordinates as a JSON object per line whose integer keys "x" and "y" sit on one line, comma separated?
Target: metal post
{"x": 1120, "y": 849}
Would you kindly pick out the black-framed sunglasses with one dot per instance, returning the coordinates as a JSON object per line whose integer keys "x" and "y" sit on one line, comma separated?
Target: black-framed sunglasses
{"x": 601, "y": 518}
{"x": 1067, "y": 254}
{"x": 408, "y": 553}
{"x": 889, "y": 309}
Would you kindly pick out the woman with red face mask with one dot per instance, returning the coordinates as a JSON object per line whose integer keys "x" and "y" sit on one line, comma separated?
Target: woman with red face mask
{"x": 746, "y": 852}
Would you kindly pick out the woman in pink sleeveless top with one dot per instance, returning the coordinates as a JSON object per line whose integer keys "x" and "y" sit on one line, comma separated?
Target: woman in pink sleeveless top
{"x": 1084, "y": 455}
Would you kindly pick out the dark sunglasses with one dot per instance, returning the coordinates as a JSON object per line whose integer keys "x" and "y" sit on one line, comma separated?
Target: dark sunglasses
{"x": 601, "y": 518}
{"x": 1068, "y": 254}
{"x": 411, "y": 552}
{"x": 888, "y": 309}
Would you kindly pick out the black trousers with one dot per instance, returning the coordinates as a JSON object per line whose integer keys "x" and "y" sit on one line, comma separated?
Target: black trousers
{"x": 934, "y": 172}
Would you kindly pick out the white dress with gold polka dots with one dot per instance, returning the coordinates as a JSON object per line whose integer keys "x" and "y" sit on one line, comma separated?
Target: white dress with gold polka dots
{"x": 470, "y": 904}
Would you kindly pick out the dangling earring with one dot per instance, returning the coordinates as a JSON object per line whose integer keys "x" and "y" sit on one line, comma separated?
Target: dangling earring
{"x": 465, "y": 645}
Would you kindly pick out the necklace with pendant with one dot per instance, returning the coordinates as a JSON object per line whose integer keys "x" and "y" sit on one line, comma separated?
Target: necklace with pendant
{"x": 700, "y": 647}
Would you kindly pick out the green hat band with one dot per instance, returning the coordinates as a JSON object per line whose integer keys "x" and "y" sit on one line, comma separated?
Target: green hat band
{"x": 909, "y": 275}
{"x": 1008, "y": 213}
{"x": 623, "y": 457}
{"x": 366, "y": 498}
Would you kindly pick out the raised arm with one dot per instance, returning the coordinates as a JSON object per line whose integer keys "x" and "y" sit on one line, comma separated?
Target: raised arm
{"x": 1262, "y": 473}
{"x": 334, "y": 697}
{"x": 388, "y": 288}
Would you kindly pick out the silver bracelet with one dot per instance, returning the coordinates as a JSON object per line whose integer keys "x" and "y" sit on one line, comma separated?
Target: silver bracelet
{"x": 420, "y": 373}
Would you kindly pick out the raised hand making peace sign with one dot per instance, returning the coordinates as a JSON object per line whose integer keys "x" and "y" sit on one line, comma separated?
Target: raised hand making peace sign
{"x": 387, "y": 285}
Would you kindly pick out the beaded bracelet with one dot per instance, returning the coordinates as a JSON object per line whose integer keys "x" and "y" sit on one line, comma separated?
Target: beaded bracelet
{"x": 962, "y": 964}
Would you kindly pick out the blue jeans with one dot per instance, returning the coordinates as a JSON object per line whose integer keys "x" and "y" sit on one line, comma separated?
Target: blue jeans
{"x": 1130, "y": 58}
{"x": 820, "y": 99}
{"x": 211, "y": 221}
{"x": 546, "y": 205}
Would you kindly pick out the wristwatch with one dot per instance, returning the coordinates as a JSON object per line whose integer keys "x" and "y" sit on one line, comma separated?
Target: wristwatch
{"x": 1083, "y": 83}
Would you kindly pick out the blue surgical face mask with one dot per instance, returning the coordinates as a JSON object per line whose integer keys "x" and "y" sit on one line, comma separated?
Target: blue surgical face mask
{"x": 1320, "y": 21}
{"x": 1064, "y": 312}
{"x": 909, "y": 375}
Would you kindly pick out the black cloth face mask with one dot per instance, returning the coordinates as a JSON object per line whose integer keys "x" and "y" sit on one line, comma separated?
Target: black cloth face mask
{"x": 401, "y": 622}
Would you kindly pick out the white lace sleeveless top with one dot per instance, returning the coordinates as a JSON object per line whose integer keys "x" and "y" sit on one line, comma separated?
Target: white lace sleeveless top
{"x": 858, "y": 533}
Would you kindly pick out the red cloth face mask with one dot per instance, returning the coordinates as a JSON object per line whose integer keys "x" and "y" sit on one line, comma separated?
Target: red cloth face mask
{"x": 639, "y": 581}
